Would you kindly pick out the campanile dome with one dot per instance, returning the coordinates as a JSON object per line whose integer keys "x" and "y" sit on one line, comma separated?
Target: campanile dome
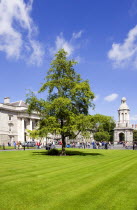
{"x": 123, "y": 105}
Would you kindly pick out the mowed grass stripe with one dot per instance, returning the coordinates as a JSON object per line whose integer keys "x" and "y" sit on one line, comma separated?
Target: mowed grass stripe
{"x": 95, "y": 189}
{"x": 75, "y": 182}
{"x": 51, "y": 170}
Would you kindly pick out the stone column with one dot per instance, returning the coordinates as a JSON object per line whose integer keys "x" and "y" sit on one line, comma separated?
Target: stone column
{"x": 120, "y": 117}
{"x": 22, "y": 130}
{"x": 31, "y": 124}
{"x": 30, "y": 127}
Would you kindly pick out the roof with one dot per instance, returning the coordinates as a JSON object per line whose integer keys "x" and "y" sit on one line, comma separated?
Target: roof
{"x": 123, "y": 104}
{"x": 19, "y": 104}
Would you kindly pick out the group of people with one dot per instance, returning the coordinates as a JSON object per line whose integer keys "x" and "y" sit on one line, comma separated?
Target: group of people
{"x": 20, "y": 145}
{"x": 50, "y": 145}
{"x": 129, "y": 145}
{"x": 101, "y": 145}
{"x": 94, "y": 145}
{"x": 17, "y": 145}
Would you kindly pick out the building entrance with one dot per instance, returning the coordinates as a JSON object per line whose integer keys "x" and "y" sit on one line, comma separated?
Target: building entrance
{"x": 121, "y": 137}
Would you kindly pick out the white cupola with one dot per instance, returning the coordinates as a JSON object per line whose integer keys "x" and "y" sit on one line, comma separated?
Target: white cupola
{"x": 123, "y": 112}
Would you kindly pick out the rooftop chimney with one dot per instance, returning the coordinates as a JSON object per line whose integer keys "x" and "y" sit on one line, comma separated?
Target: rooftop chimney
{"x": 6, "y": 100}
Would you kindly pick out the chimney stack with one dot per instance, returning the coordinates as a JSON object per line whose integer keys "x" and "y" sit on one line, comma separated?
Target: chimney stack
{"x": 7, "y": 100}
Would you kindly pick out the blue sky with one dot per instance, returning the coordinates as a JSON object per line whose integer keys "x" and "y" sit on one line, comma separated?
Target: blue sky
{"x": 101, "y": 35}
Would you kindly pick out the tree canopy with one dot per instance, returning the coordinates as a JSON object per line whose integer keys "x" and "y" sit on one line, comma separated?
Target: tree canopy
{"x": 103, "y": 123}
{"x": 102, "y": 136}
{"x": 65, "y": 109}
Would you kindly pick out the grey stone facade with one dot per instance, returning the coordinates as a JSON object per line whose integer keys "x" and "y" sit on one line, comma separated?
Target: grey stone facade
{"x": 14, "y": 121}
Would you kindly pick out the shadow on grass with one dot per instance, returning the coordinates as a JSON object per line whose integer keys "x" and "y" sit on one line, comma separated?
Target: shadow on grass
{"x": 68, "y": 153}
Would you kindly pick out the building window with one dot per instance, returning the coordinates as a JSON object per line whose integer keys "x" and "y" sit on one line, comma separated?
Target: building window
{"x": 34, "y": 124}
{"x": 9, "y": 127}
{"x": 10, "y": 117}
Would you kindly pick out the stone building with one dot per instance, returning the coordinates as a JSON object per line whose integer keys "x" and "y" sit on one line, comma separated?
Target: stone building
{"x": 123, "y": 130}
{"x": 14, "y": 121}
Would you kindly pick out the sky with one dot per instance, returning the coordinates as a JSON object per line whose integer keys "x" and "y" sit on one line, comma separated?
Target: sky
{"x": 100, "y": 35}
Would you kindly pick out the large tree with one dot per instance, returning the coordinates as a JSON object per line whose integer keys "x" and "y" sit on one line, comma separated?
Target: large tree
{"x": 68, "y": 100}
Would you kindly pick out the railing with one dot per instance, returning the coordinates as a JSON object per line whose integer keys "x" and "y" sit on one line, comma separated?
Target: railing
{"x": 123, "y": 125}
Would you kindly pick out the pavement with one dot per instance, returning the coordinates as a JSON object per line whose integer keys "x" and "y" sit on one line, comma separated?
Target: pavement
{"x": 115, "y": 147}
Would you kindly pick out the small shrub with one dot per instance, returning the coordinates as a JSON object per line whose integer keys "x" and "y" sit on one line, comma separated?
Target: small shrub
{"x": 53, "y": 152}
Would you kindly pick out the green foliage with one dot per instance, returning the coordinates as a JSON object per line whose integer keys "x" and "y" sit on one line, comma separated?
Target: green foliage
{"x": 101, "y": 123}
{"x": 135, "y": 135}
{"x": 53, "y": 152}
{"x": 68, "y": 101}
{"x": 102, "y": 136}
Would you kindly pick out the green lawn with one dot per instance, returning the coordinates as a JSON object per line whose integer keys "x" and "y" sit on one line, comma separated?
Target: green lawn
{"x": 6, "y": 147}
{"x": 102, "y": 179}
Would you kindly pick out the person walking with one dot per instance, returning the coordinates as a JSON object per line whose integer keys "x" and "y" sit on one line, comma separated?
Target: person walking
{"x": 14, "y": 144}
{"x": 3, "y": 146}
{"x": 106, "y": 145}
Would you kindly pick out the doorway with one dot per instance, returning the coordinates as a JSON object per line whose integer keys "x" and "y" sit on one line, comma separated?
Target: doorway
{"x": 121, "y": 137}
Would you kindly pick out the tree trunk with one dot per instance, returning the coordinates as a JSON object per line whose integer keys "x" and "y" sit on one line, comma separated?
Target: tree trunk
{"x": 63, "y": 140}
{"x": 63, "y": 145}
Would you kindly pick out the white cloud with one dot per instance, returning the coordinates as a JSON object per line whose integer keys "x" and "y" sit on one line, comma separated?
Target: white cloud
{"x": 126, "y": 52}
{"x": 77, "y": 35}
{"x": 17, "y": 31}
{"x": 111, "y": 97}
{"x": 79, "y": 59}
{"x": 37, "y": 53}
{"x": 68, "y": 45}
{"x": 62, "y": 43}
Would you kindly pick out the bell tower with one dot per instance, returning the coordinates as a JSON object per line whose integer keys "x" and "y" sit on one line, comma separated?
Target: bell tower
{"x": 123, "y": 112}
{"x": 123, "y": 130}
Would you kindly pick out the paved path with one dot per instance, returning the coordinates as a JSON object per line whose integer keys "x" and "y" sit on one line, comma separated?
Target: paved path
{"x": 116, "y": 147}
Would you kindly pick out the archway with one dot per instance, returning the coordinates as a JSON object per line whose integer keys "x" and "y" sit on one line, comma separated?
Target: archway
{"x": 121, "y": 137}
